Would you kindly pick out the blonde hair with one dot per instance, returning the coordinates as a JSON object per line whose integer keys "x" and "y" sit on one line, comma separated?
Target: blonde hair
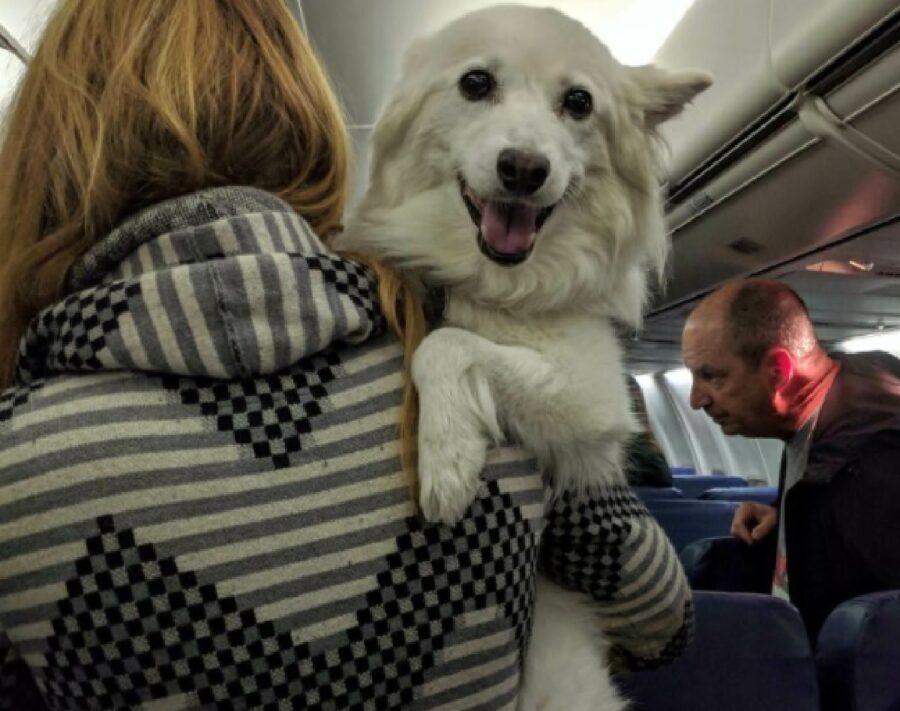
{"x": 405, "y": 314}
{"x": 128, "y": 103}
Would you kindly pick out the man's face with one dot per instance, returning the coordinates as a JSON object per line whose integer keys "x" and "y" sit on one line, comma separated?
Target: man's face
{"x": 734, "y": 394}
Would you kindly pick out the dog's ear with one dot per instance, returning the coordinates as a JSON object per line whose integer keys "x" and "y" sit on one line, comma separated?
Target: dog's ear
{"x": 662, "y": 94}
{"x": 402, "y": 107}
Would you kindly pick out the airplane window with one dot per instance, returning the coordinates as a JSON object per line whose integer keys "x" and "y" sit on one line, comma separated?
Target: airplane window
{"x": 22, "y": 22}
{"x": 11, "y": 71}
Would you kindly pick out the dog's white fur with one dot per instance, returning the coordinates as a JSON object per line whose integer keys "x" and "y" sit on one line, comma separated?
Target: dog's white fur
{"x": 531, "y": 351}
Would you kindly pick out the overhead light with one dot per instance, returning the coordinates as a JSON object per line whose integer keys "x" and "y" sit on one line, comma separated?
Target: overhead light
{"x": 885, "y": 341}
{"x": 634, "y": 30}
{"x": 833, "y": 266}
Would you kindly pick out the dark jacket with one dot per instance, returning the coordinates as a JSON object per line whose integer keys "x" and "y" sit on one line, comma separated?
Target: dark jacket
{"x": 843, "y": 518}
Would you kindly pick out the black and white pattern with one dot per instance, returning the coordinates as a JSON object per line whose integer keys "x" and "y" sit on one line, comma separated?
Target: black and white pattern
{"x": 352, "y": 279}
{"x": 271, "y": 414}
{"x": 15, "y": 398}
{"x": 135, "y": 627}
{"x": 621, "y": 658}
{"x": 586, "y": 546}
{"x": 597, "y": 531}
{"x": 219, "y": 518}
{"x": 73, "y": 334}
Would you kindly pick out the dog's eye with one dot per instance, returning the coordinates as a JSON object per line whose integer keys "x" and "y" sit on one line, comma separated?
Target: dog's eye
{"x": 578, "y": 103}
{"x": 477, "y": 84}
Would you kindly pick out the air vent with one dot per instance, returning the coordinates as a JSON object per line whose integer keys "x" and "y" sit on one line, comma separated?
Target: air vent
{"x": 745, "y": 245}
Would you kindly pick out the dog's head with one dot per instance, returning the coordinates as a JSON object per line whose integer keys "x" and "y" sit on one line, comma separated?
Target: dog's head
{"x": 517, "y": 161}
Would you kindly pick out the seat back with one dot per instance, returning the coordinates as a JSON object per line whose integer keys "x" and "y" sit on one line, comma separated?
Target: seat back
{"x": 729, "y": 565}
{"x": 760, "y": 494}
{"x": 695, "y": 484}
{"x": 689, "y": 520}
{"x": 750, "y": 652}
{"x": 858, "y": 654}
{"x": 657, "y": 492}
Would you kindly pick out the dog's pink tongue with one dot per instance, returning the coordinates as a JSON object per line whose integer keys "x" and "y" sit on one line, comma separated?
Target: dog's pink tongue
{"x": 508, "y": 229}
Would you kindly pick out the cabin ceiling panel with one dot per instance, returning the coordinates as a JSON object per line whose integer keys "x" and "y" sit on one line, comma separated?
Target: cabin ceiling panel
{"x": 880, "y": 122}
{"x": 842, "y": 305}
{"x": 819, "y": 196}
{"x": 363, "y": 41}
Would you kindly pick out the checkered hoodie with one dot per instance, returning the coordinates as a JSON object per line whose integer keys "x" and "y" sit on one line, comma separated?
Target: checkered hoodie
{"x": 202, "y": 505}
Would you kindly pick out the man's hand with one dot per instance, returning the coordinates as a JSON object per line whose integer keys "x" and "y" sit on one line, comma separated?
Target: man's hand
{"x": 752, "y": 521}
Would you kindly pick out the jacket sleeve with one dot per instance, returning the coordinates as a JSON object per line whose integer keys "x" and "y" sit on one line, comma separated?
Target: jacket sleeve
{"x": 611, "y": 548}
{"x": 17, "y": 687}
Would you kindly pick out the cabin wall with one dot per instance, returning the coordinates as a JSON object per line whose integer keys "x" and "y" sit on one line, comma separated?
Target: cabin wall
{"x": 689, "y": 439}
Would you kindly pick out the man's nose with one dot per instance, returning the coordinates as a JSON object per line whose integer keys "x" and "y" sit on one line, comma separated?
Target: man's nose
{"x": 699, "y": 398}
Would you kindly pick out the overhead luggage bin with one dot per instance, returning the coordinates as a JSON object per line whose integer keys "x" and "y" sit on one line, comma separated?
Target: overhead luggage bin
{"x": 793, "y": 149}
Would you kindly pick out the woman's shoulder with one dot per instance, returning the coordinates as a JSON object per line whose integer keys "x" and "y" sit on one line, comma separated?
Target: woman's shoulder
{"x": 24, "y": 405}
{"x": 270, "y": 508}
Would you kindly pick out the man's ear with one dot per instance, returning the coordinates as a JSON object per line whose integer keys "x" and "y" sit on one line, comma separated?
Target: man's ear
{"x": 661, "y": 94}
{"x": 779, "y": 365}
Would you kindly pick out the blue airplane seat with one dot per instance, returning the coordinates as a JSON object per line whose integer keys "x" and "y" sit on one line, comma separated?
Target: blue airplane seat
{"x": 689, "y": 520}
{"x": 750, "y": 652}
{"x": 657, "y": 492}
{"x": 727, "y": 564}
{"x": 760, "y": 494}
{"x": 858, "y": 654}
{"x": 695, "y": 484}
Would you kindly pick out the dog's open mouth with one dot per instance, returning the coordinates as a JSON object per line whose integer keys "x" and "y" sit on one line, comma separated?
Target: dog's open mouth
{"x": 506, "y": 229}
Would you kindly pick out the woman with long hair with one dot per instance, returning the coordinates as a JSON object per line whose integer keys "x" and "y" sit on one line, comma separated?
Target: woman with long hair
{"x": 202, "y": 495}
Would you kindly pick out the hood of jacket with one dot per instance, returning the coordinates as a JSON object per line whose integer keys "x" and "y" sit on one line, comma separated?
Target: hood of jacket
{"x": 224, "y": 283}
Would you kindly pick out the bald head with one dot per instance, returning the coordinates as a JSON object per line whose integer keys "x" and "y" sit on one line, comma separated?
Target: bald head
{"x": 756, "y": 315}
{"x": 751, "y": 350}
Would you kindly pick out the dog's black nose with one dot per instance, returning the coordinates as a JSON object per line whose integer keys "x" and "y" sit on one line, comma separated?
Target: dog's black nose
{"x": 522, "y": 173}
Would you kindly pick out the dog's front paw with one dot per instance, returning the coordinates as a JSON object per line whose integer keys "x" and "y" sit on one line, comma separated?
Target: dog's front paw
{"x": 451, "y": 458}
{"x": 457, "y": 420}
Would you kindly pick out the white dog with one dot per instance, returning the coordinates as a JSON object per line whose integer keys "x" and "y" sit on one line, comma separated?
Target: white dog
{"x": 516, "y": 168}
